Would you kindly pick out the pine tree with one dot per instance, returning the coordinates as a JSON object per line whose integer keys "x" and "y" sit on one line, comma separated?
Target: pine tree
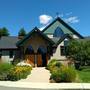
{"x": 22, "y": 32}
{"x": 4, "y": 32}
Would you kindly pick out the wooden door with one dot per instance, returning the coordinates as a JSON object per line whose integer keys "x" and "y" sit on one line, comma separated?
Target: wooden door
{"x": 30, "y": 59}
{"x": 39, "y": 60}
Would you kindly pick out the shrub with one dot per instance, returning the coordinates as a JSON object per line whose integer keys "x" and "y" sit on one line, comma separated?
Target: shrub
{"x": 16, "y": 61}
{"x": 4, "y": 70}
{"x": 64, "y": 74}
{"x": 53, "y": 64}
{"x": 77, "y": 65}
{"x": 19, "y": 72}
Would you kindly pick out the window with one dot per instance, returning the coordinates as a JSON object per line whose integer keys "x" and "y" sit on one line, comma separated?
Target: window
{"x": 29, "y": 50}
{"x": 10, "y": 54}
{"x": 63, "y": 50}
{"x": 58, "y": 32}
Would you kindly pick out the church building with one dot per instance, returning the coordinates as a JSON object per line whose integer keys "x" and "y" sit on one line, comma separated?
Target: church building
{"x": 38, "y": 47}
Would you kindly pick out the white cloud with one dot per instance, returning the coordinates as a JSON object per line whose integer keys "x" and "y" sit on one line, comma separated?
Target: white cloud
{"x": 73, "y": 19}
{"x": 45, "y": 19}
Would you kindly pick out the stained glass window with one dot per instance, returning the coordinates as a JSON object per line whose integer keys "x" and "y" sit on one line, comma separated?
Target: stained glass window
{"x": 58, "y": 32}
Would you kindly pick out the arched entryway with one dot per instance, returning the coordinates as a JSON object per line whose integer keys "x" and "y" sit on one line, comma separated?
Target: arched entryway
{"x": 41, "y": 56}
{"x": 29, "y": 55}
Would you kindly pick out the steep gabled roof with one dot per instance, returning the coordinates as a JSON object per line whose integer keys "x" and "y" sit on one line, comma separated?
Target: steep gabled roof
{"x": 65, "y": 24}
{"x": 31, "y": 33}
{"x": 62, "y": 38}
{"x": 8, "y": 42}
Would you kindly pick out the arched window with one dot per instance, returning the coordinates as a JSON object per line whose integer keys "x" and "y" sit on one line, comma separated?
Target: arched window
{"x": 42, "y": 50}
{"x": 29, "y": 50}
{"x": 58, "y": 32}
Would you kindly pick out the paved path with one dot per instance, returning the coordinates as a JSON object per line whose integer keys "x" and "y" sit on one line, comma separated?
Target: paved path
{"x": 8, "y": 85}
{"x": 38, "y": 74}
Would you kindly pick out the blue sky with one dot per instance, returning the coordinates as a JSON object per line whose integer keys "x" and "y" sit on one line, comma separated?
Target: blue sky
{"x": 15, "y": 14}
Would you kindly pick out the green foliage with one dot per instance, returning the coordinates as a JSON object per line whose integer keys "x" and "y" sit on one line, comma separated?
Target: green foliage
{"x": 84, "y": 74}
{"x": 4, "y": 32}
{"x": 16, "y": 61}
{"x": 53, "y": 64}
{"x": 61, "y": 73}
{"x": 64, "y": 74}
{"x": 4, "y": 70}
{"x": 19, "y": 72}
{"x": 22, "y": 32}
{"x": 13, "y": 73}
{"x": 79, "y": 51}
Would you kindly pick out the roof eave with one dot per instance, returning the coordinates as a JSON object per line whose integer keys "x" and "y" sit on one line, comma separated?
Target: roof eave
{"x": 38, "y": 31}
{"x": 65, "y": 24}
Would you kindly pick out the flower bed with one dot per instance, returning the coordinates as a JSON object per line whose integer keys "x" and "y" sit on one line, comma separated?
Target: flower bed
{"x": 13, "y": 73}
{"x": 19, "y": 72}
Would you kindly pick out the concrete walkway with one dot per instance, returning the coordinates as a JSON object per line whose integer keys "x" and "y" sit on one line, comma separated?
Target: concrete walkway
{"x": 8, "y": 85}
{"x": 38, "y": 74}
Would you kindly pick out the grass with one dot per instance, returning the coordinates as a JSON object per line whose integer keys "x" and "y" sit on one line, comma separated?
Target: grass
{"x": 84, "y": 75}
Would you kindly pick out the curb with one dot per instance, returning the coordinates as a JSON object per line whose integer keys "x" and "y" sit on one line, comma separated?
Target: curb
{"x": 8, "y": 85}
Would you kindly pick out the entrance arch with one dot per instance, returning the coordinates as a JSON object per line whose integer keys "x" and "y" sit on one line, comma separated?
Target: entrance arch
{"x": 41, "y": 56}
{"x": 29, "y": 55}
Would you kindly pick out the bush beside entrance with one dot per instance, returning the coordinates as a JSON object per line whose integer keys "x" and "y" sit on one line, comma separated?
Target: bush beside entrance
{"x": 61, "y": 73}
{"x": 64, "y": 74}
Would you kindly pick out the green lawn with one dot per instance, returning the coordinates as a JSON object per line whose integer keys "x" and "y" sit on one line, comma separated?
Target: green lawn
{"x": 84, "y": 75}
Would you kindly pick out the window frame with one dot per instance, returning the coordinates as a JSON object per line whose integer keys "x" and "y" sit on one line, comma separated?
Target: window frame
{"x": 64, "y": 50}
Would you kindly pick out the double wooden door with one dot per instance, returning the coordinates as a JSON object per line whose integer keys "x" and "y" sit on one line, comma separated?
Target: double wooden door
{"x": 37, "y": 59}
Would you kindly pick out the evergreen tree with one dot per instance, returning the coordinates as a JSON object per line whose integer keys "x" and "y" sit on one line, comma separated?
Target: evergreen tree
{"x": 4, "y": 32}
{"x": 22, "y": 32}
